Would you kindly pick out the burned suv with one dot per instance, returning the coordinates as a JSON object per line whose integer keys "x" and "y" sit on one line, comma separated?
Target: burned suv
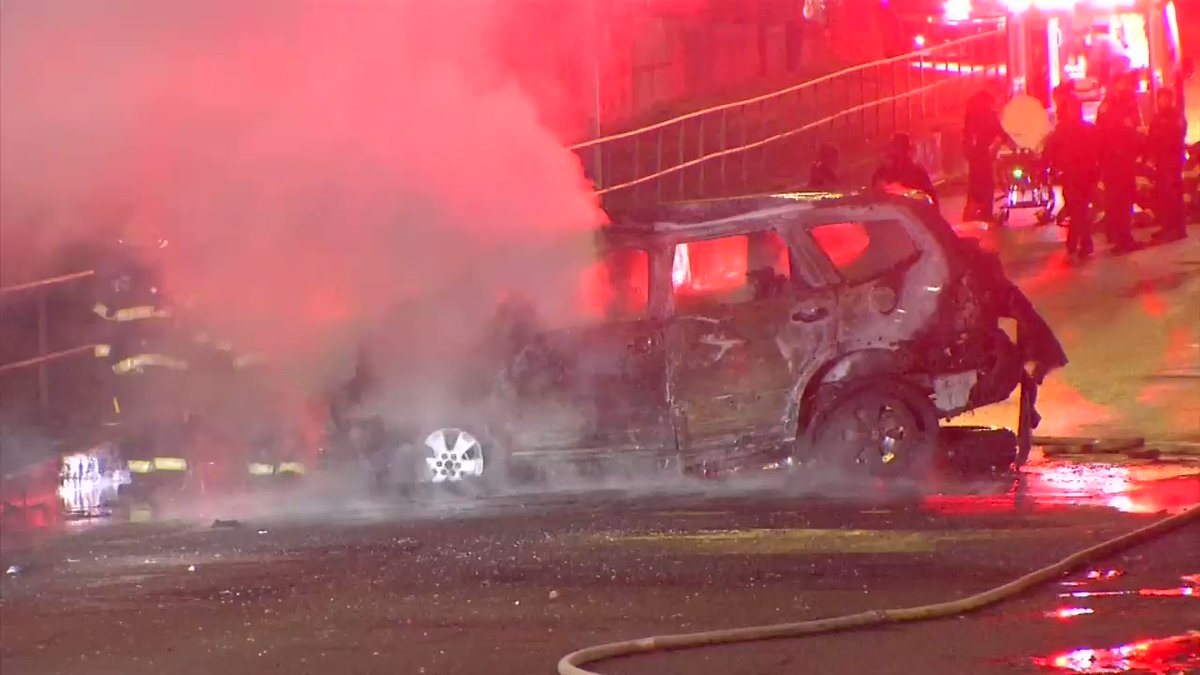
{"x": 790, "y": 328}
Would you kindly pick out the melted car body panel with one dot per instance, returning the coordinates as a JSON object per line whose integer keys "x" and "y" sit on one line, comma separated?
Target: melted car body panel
{"x": 729, "y": 371}
{"x": 602, "y": 386}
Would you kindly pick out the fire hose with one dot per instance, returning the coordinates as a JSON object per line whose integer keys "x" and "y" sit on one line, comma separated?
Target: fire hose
{"x": 572, "y": 664}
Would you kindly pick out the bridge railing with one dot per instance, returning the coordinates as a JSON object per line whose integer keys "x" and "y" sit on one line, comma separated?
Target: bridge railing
{"x": 755, "y": 143}
{"x": 32, "y": 345}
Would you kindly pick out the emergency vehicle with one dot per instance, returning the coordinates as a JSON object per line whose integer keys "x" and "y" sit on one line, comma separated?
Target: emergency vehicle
{"x": 1086, "y": 42}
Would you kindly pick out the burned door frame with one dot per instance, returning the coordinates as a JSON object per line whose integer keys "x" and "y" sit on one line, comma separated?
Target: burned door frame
{"x": 594, "y": 387}
{"x": 809, "y": 300}
{"x": 881, "y": 315}
{"x": 653, "y": 432}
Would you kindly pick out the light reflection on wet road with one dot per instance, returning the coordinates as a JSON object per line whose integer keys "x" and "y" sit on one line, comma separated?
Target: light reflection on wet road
{"x": 1170, "y": 655}
{"x": 1174, "y": 655}
{"x": 1127, "y": 323}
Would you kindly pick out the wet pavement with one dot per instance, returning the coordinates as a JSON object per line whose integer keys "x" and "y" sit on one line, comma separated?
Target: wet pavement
{"x": 307, "y": 580}
{"x": 1127, "y": 322}
{"x": 322, "y": 577}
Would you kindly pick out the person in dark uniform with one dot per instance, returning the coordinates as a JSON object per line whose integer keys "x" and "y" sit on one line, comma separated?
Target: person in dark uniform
{"x": 899, "y": 168}
{"x": 1073, "y": 149}
{"x": 133, "y": 338}
{"x": 1118, "y": 122}
{"x": 1191, "y": 184}
{"x": 981, "y": 135}
{"x": 823, "y": 173}
{"x": 1165, "y": 150}
{"x": 1065, "y": 97}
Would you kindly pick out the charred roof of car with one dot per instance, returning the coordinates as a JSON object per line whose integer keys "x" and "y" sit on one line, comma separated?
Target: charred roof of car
{"x": 706, "y": 219}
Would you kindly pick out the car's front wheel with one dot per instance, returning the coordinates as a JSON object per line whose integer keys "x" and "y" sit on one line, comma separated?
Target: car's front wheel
{"x": 463, "y": 458}
{"x": 883, "y": 428}
{"x": 453, "y": 454}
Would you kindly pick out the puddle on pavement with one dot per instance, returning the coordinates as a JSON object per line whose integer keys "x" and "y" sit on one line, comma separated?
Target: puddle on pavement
{"x": 1159, "y": 656}
{"x": 1179, "y": 592}
{"x": 1172, "y": 655}
{"x": 1148, "y": 487}
{"x": 1079, "y": 591}
{"x": 1188, "y": 588}
{"x": 1064, "y": 613}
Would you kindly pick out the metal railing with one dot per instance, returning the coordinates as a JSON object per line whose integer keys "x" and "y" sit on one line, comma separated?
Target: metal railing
{"x": 758, "y": 143}
{"x": 21, "y": 306}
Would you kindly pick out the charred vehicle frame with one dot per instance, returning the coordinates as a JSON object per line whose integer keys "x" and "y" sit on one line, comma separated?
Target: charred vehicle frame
{"x": 851, "y": 325}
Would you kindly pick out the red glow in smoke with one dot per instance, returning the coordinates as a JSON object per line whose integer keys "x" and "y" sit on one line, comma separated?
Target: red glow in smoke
{"x": 312, "y": 165}
{"x": 616, "y": 286}
{"x": 328, "y": 307}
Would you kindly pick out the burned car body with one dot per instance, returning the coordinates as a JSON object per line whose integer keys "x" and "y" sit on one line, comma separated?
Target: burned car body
{"x": 805, "y": 327}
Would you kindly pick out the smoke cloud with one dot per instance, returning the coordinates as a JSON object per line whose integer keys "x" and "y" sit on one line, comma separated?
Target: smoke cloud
{"x": 314, "y": 165}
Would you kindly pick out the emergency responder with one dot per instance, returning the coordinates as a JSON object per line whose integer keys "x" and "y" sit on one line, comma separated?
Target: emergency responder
{"x": 1065, "y": 97}
{"x": 1191, "y": 184}
{"x": 1118, "y": 122}
{"x": 134, "y": 310}
{"x": 899, "y": 168}
{"x": 1073, "y": 151}
{"x": 137, "y": 323}
{"x": 982, "y": 135}
{"x": 1165, "y": 151}
{"x": 823, "y": 173}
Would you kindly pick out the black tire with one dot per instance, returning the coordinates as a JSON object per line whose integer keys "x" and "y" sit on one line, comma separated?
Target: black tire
{"x": 879, "y": 428}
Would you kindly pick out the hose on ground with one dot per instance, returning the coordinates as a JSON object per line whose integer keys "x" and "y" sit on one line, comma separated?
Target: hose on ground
{"x": 572, "y": 664}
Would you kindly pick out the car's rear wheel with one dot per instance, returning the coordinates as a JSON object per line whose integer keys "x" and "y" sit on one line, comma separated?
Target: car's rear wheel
{"x": 884, "y": 428}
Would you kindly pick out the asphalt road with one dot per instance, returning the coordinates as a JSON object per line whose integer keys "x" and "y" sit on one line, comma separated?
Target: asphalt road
{"x": 317, "y": 581}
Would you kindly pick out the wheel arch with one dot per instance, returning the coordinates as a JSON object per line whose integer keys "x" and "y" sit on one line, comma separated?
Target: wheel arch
{"x": 849, "y": 367}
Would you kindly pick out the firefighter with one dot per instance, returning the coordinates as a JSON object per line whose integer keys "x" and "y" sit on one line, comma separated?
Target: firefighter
{"x": 137, "y": 321}
{"x": 1165, "y": 151}
{"x": 982, "y": 135}
{"x": 899, "y": 168}
{"x": 1191, "y": 183}
{"x": 1065, "y": 97}
{"x": 1073, "y": 151}
{"x": 823, "y": 173}
{"x": 1118, "y": 122}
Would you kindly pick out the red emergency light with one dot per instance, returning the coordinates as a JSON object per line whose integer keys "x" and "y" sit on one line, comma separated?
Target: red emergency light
{"x": 1020, "y": 6}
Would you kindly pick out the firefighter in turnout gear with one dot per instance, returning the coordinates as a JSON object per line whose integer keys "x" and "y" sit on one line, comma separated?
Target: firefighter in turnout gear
{"x": 1118, "y": 122}
{"x": 178, "y": 392}
{"x": 137, "y": 328}
{"x": 1165, "y": 148}
{"x": 135, "y": 313}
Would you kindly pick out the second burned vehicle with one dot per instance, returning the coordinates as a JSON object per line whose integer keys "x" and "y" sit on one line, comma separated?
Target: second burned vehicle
{"x": 798, "y": 328}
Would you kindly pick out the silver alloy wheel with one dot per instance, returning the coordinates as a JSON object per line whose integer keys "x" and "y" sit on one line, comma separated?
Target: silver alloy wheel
{"x": 453, "y": 454}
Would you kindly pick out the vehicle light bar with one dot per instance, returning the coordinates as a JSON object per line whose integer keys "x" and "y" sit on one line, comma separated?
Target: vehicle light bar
{"x": 957, "y": 10}
{"x": 170, "y": 464}
{"x": 258, "y": 469}
{"x": 1019, "y": 6}
{"x": 139, "y": 466}
{"x": 291, "y": 467}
